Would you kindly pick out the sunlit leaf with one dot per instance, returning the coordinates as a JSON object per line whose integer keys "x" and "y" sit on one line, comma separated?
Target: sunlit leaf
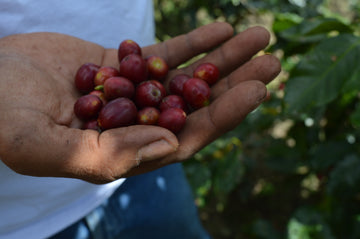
{"x": 308, "y": 223}
{"x": 322, "y": 73}
{"x": 311, "y": 30}
{"x": 285, "y": 20}
{"x": 299, "y": 38}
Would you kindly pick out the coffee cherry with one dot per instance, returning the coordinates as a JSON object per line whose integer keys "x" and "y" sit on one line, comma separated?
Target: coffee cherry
{"x": 116, "y": 87}
{"x": 149, "y": 93}
{"x": 176, "y": 84}
{"x": 84, "y": 78}
{"x": 99, "y": 94}
{"x": 172, "y": 119}
{"x": 91, "y": 124}
{"x": 157, "y": 67}
{"x": 196, "y": 93}
{"x": 117, "y": 113}
{"x": 105, "y": 73}
{"x": 159, "y": 85}
{"x": 172, "y": 101}
{"x": 207, "y": 72}
{"x": 148, "y": 116}
{"x": 128, "y": 47}
{"x": 87, "y": 107}
{"x": 134, "y": 68}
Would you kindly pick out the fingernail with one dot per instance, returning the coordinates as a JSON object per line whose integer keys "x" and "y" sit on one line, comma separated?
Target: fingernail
{"x": 260, "y": 93}
{"x": 155, "y": 150}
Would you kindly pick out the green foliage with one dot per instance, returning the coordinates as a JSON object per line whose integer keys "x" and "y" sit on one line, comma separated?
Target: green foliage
{"x": 323, "y": 72}
{"x": 292, "y": 168}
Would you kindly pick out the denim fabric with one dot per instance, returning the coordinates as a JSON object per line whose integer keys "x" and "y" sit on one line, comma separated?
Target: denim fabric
{"x": 157, "y": 205}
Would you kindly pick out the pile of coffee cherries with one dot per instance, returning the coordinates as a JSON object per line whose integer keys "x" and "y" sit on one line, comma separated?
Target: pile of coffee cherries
{"x": 134, "y": 93}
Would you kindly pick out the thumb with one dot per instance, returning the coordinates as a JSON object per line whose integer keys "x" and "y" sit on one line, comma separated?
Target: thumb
{"x": 40, "y": 147}
{"x": 114, "y": 153}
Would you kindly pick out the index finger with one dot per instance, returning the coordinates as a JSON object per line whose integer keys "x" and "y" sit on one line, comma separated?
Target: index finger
{"x": 179, "y": 49}
{"x": 235, "y": 51}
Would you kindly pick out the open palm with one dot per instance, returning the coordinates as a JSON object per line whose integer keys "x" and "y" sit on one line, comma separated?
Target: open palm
{"x": 40, "y": 135}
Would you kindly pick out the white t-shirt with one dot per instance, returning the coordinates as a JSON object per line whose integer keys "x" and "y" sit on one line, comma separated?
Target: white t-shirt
{"x": 34, "y": 207}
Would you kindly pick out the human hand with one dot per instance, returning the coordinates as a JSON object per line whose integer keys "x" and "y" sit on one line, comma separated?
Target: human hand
{"x": 40, "y": 135}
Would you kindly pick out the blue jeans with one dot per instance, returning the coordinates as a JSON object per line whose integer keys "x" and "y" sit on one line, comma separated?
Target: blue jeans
{"x": 158, "y": 204}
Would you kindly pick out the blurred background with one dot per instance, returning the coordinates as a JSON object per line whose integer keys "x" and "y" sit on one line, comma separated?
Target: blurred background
{"x": 292, "y": 168}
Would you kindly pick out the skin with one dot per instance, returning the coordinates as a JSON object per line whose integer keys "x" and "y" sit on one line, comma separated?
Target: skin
{"x": 40, "y": 135}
